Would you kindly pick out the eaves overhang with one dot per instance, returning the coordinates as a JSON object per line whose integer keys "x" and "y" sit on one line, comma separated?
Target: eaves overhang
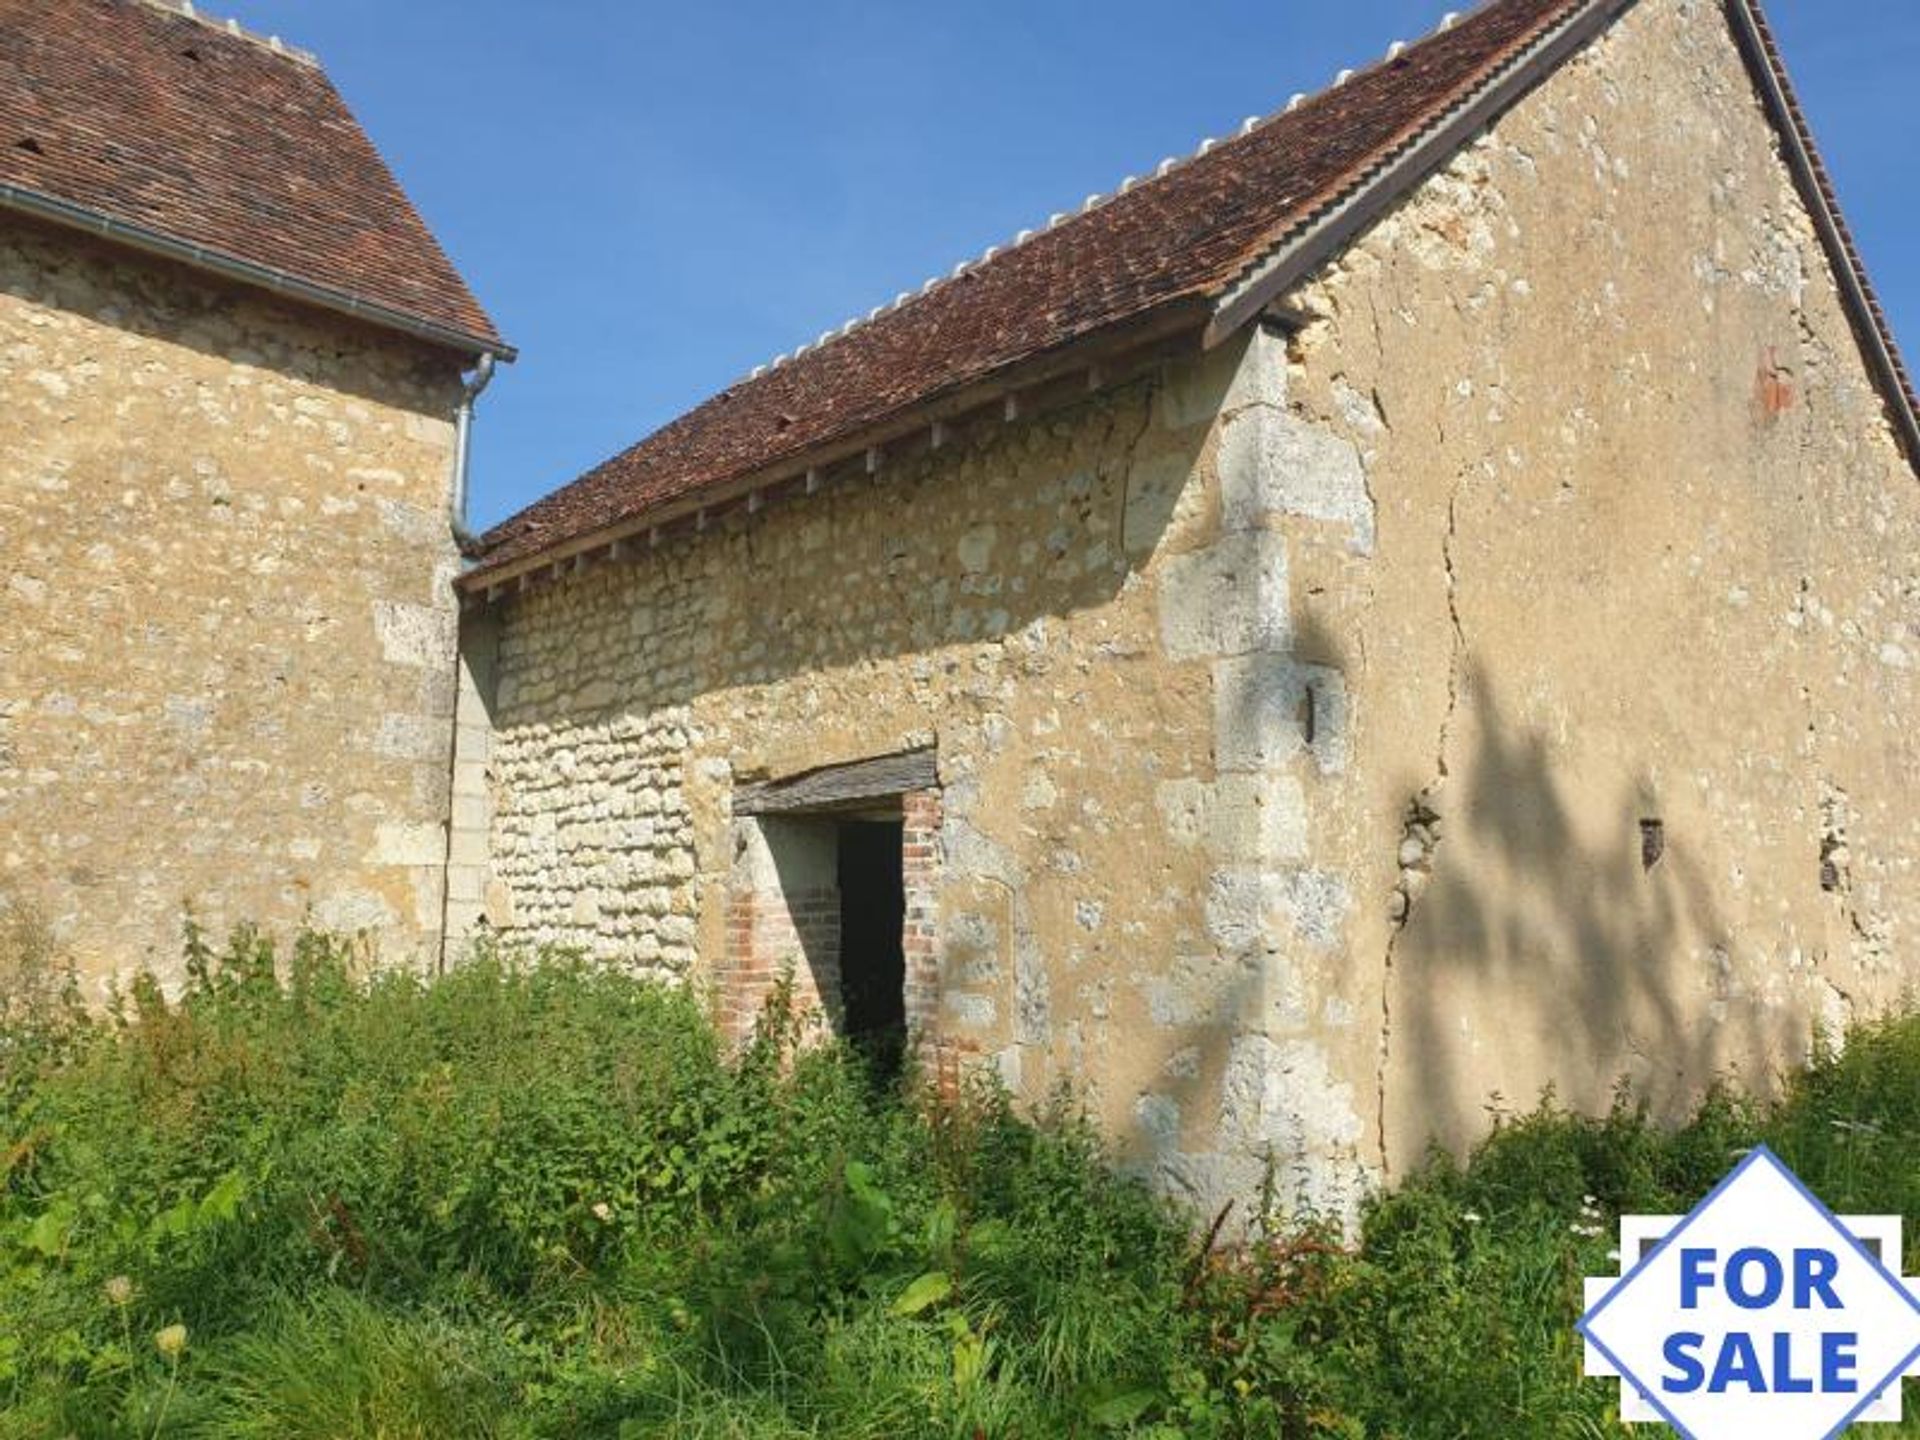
{"x": 52, "y": 209}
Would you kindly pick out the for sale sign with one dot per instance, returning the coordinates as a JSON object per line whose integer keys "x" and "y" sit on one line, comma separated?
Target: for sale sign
{"x": 1761, "y": 1315}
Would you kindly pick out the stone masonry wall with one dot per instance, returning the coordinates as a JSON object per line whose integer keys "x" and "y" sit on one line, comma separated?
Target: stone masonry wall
{"x": 1072, "y": 609}
{"x": 1500, "y": 681}
{"x": 226, "y": 624}
{"x": 1630, "y": 660}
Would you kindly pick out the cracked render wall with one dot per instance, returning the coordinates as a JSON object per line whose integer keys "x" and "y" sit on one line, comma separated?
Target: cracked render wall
{"x": 226, "y": 618}
{"x": 1630, "y": 655}
{"x": 1087, "y": 613}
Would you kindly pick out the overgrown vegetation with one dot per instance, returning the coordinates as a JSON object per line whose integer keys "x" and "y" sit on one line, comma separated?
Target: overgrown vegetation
{"x": 530, "y": 1200}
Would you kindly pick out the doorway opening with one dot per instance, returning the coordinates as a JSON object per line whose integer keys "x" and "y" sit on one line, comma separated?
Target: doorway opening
{"x": 873, "y": 962}
{"x": 834, "y": 876}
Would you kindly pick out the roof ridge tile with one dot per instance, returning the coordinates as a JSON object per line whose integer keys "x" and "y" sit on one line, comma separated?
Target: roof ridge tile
{"x": 1092, "y": 202}
{"x": 187, "y": 10}
{"x": 1184, "y": 242}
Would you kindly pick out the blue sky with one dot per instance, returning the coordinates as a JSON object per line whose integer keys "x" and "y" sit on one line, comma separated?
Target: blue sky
{"x": 653, "y": 198}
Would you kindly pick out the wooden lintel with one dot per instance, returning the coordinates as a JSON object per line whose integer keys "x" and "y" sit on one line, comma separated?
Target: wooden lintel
{"x": 838, "y": 786}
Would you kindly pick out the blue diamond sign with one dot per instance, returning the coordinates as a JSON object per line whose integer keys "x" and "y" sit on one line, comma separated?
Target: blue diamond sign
{"x": 1761, "y": 1315}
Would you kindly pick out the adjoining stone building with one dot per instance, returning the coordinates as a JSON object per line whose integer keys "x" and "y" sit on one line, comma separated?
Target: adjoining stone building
{"x": 231, "y": 383}
{"x": 1413, "y": 603}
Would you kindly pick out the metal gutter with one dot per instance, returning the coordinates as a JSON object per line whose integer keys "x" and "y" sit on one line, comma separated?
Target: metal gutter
{"x": 232, "y": 267}
{"x": 1308, "y": 249}
{"x": 470, "y": 389}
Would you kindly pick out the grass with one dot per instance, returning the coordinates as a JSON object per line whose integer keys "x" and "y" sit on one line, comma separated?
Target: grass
{"x": 537, "y": 1199}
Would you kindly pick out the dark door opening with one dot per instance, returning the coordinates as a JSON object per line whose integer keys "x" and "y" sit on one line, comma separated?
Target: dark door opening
{"x": 873, "y": 966}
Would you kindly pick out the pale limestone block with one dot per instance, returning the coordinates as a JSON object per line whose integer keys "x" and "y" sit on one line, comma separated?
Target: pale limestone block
{"x": 1240, "y": 908}
{"x": 1248, "y": 369}
{"x": 1264, "y": 705}
{"x": 1209, "y": 989}
{"x": 417, "y": 635}
{"x": 403, "y": 736}
{"x": 1229, "y": 599}
{"x": 1158, "y": 1119}
{"x": 1256, "y": 817}
{"x": 351, "y": 911}
{"x": 1283, "y": 1098}
{"x": 1032, "y": 994}
{"x": 977, "y": 1012}
{"x": 1319, "y": 903}
{"x": 1163, "y": 497}
{"x": 470, "y": 847}
{"x": 1274, "y": 463}
{"x": 408, "y": 843}
{"x": 1182, "y": 805}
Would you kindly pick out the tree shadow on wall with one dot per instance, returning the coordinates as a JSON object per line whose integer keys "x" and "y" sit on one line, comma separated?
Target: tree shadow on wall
{"x": 1549, "y": 950}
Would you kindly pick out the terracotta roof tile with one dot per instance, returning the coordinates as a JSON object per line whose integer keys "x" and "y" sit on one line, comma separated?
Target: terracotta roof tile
{"x": 1188, "y": 233}
{"x": 1186, "y": 236}
{"x": 214, "y": 138}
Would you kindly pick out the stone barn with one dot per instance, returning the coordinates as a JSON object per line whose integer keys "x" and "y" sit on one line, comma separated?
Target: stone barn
{"x": 1412, "y": 603}
{"x": 231, "y": 391}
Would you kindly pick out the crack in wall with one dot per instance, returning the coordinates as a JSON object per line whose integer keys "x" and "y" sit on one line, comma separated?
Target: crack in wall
{"x": 1458, "y": 657}
{"x": 1420, "y": 836}
{"x": 1131, "y": 456}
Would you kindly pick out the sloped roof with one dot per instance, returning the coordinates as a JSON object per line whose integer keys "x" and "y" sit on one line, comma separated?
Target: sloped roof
{"x": 1870, "y": 318}
{"x": 222, "y": 149}
{"x": 1194, "y": 236}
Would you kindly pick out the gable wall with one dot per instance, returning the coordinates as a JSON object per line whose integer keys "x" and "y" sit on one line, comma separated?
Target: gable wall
{"x": 226, "y": 659}
{"x": 1646, "y": 552}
